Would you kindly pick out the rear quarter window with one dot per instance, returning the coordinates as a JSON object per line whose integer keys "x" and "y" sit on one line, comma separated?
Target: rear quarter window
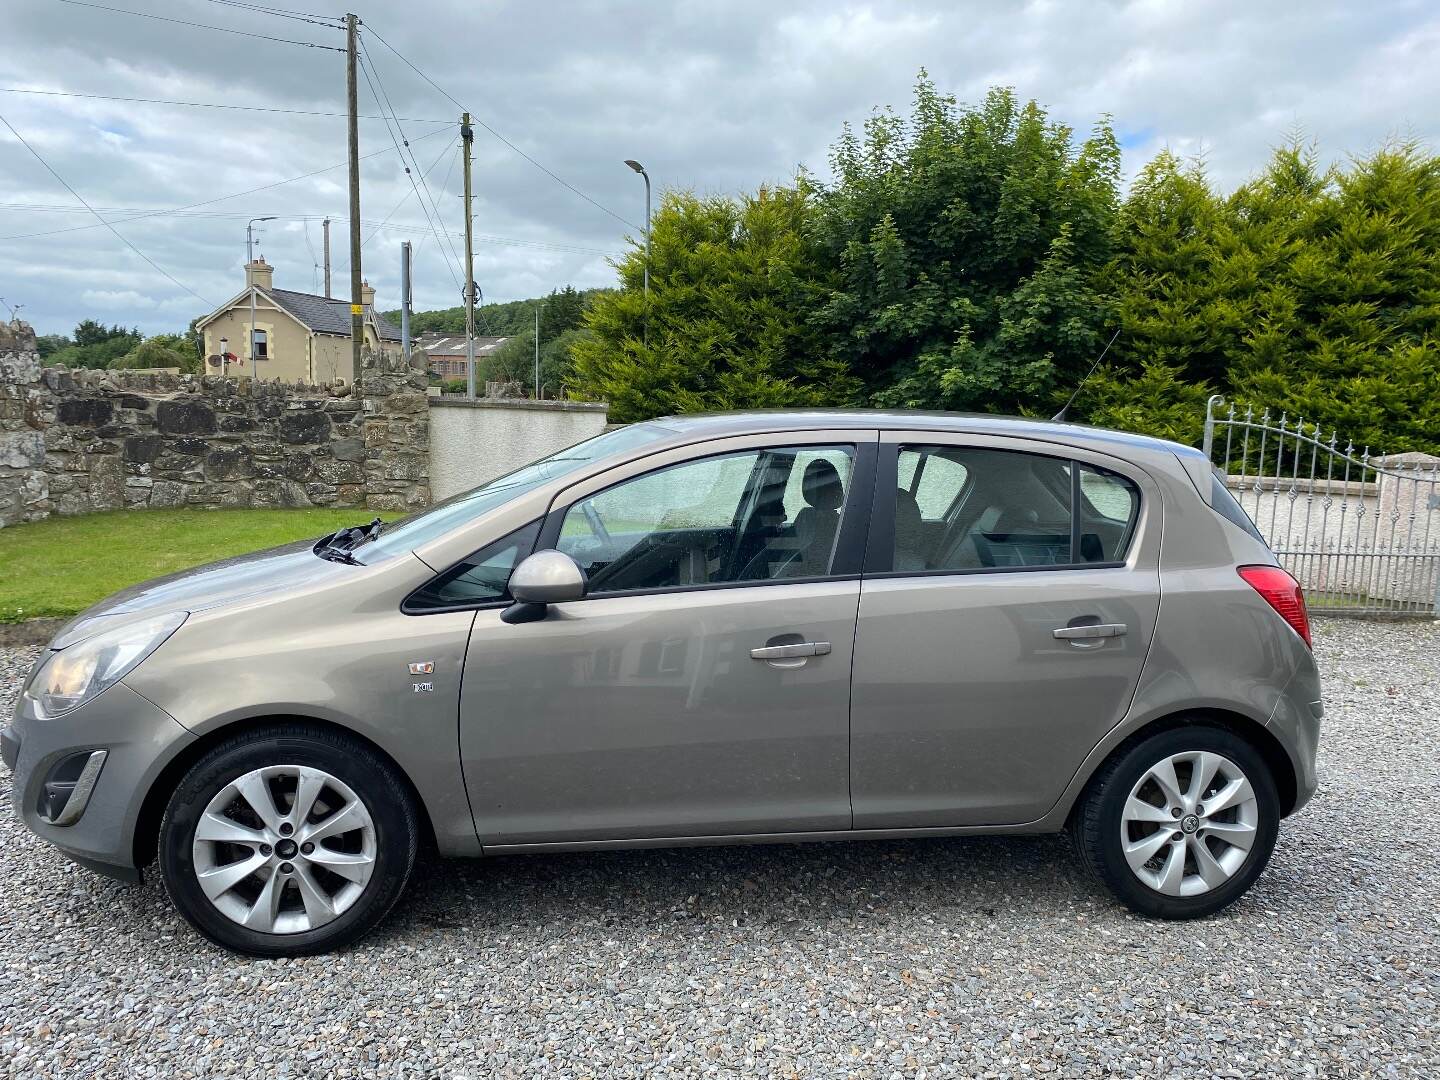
{"x": 1226, "y": 505}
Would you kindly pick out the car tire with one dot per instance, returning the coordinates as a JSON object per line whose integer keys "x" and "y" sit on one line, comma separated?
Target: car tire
{"x": 318, "y": 878}
{"x": 1186, "y": 864}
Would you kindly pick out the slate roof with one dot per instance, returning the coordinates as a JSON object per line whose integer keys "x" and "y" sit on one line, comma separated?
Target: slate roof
{"x": 327, "y": 315}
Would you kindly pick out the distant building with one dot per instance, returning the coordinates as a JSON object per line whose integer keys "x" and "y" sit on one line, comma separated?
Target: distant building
{"x": 445, "y": 353}
{"x": 299, "y": 337}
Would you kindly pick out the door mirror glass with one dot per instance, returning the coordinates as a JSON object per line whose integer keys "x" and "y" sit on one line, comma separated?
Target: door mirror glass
{"x": 547, "y": 577}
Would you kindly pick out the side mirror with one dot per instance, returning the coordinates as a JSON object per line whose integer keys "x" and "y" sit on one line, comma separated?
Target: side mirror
{"x": 546, "y": 577}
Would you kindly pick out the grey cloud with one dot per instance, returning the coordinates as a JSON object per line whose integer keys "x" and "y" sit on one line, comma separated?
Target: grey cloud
{"x": 713, "y": 97}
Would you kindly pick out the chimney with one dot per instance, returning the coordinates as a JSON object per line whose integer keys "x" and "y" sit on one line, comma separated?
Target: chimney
{"x": 260, "y": 273}
{"x": 367, "y": 295}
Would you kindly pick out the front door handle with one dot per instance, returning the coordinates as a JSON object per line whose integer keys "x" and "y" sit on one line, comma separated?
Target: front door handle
{"x": 791, "y": 652}
{"x": 1089, "y": 636}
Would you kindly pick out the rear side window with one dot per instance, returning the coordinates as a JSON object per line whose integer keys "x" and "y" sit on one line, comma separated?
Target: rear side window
{"x": 1109, "y": 507}
{"x": 963, "y": 508}
{"x": 1227, "y": 507}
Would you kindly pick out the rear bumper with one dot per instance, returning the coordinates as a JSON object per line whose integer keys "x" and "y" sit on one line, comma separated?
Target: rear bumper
{"x": 1295, "y": 721}
{"x": 138, "y": 738}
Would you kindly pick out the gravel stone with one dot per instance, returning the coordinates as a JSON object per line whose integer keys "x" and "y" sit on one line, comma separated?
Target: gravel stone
{"x": 983, "y": 957}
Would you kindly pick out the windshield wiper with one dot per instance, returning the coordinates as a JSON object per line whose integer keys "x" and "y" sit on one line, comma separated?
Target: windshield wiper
{"x": 338, "y": 555}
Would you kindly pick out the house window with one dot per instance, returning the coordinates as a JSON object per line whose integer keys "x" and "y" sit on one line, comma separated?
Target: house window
{"x": 262, "y": 345}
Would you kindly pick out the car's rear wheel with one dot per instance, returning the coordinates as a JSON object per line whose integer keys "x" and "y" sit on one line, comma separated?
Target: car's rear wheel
{"x": 1180, "y": 824}
{"x": 287, "y": 841}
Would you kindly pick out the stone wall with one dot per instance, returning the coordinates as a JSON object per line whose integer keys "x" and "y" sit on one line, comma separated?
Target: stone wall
{"x": 475, "y": 441}
{"x": 74, "y": 442}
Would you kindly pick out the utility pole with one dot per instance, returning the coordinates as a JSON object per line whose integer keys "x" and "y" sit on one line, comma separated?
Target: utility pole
{"x": 250, "y": 274}
{"x": 537, "y": 352}
{"x": 326, "y": 226}
{"x": 467, "y": 135}
{"x": 405, "y": 299}
{"x": 357, "y": 308}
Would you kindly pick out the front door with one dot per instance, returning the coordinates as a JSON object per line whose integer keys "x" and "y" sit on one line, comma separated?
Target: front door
{"x": 1001, "y": 633}
{"x": 703, "y": 685}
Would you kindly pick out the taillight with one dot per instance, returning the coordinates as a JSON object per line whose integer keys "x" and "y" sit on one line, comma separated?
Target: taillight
{"x": 1283, "y": 593}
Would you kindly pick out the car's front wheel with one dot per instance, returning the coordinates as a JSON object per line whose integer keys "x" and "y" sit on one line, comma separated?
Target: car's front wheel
{"x": 287, "y": 840}
{"x": 1180, "y": 824}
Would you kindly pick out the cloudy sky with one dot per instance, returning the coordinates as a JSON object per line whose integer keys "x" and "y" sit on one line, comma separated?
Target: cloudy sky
{"x": 712, "y": 95}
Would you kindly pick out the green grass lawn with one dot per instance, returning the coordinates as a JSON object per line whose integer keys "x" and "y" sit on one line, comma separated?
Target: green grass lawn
{"x": 63, "y": 565}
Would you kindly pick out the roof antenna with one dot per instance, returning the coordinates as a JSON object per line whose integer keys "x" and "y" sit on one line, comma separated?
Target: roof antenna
{"x": 1060, "y": 416}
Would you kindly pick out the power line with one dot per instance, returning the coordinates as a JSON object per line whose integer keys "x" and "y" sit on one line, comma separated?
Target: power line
{"x": 219, "y": 198}
{"x": 138, "y": 213}
{"x": 365, "y": 69}
{"x": 79, "y": 198}
{"x": 403, "y": 199}
{"x": 558, "y": 179}
{"x": 370, "y": 68}
{"x": 202, "y": 26}
{"x": 260, "y": 9}
{"x": 205, "y": 104}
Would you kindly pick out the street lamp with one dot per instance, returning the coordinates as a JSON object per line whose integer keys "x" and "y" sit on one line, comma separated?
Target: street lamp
{"x": 250, "y": 258}
{"x": 637, "y": 167}
{"x": 224, "y": 352}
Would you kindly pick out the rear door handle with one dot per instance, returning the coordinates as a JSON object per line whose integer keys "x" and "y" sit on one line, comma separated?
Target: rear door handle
{"x": 1086, "y": 635}
{"x": 791, "y": 652}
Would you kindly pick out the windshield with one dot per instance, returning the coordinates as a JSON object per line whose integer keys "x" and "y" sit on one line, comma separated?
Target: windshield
{"x": 411, "y": 532}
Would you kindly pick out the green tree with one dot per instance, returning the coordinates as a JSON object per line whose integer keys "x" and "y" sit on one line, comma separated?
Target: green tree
{"x": 731, "y": 282}
{"x": 960, "y": 251}
{"x": 161, "y": 351}
{"x": 96, "y": 346}
{"x": 1314, "y": 292}
{"x": 47, "y": 345}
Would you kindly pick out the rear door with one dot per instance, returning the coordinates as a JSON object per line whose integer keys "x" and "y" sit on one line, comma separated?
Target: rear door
{"x": 1000, "y": 634}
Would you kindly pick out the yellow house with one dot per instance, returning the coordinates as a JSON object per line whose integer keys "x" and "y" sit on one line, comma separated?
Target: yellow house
{"x": 299, "y": 337}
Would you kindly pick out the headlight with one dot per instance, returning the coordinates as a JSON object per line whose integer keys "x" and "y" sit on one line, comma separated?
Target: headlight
{"x": 75, "y": 674}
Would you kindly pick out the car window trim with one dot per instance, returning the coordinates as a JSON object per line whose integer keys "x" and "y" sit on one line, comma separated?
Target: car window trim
{"x": 880, "y": 555}
{"x": 850, "y": 544}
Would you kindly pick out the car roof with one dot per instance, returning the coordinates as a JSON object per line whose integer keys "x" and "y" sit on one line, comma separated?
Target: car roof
{"x": 738, "y": 423}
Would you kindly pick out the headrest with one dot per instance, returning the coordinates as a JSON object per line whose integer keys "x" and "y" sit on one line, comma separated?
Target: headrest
{"x": 822, "y": 488}
{"x": 908, "y": 519}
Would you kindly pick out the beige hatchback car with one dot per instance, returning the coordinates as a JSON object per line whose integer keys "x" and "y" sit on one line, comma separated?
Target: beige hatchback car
{"x": 698, "y": 630}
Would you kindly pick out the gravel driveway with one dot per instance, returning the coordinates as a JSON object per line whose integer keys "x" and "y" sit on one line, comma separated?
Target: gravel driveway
{"x": 926, "y": 958}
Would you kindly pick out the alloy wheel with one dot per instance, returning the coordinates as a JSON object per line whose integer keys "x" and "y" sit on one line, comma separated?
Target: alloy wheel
{"x": 284, "y": 849}
{"x": 1189, "y": 823}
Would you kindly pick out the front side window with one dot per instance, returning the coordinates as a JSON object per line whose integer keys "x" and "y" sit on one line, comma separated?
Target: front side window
{"x": 483, "y": 578}
{"x": 965, "y": 508}
{"x": 757, "y": 515}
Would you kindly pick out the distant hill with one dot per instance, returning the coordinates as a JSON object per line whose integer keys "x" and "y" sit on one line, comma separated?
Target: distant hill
{"x": 504, "y": 320}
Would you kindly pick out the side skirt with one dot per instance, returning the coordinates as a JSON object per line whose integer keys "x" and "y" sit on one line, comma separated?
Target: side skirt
{"x": 1032, "y": 828}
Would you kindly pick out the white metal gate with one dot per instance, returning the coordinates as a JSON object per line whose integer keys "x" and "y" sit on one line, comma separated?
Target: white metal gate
{"x": 1361, "y": 531}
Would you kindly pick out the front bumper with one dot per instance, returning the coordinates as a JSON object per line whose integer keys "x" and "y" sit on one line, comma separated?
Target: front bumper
{"x": 138, "y": 738}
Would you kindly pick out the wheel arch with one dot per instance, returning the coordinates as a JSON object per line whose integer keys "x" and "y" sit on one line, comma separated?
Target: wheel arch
{"x": 147, "y": 824}
{"x": 1282, "y": 769}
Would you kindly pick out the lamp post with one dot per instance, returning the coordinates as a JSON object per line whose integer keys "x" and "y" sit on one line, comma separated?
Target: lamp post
{"x": 637, "y": 167}
{"x": 250, "y": 258}
{"x": 224, "y": 352}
